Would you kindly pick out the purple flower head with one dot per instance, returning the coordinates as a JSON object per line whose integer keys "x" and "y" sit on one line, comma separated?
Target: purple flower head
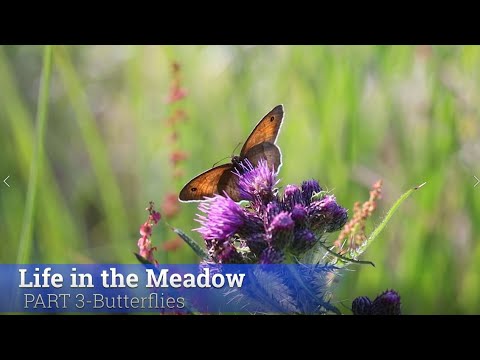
{"x": 310, "y": 187}
{"x": 252, "y": 225}
{"x": 362, "y": 305}
{"x": 224, "y": 217}
{"x": 387, "y": 303}
{"x": 292, "y": 196}
{"x": 281, "y": 230}
{"x": 282, "y": 222}
{"x": 256, "y": 183}
{"x": 303, "y": 240}
{"x": 327, "y": 215}
{"x": 271, "y": 256}
{"x": 299, "y": 214}
{"x": 289, "y": 224}
{"x": 257, "y": 243}
{"x": 273, "y": 209}
{"x": 155, "y": 216}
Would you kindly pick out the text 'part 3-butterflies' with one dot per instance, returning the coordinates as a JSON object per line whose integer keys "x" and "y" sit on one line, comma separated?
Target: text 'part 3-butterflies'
{"x": 260, "y": 144}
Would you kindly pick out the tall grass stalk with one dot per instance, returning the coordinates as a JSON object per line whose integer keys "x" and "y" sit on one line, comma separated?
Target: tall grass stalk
{"x": 26, "y": 239}
{"x": 110, "y": 195}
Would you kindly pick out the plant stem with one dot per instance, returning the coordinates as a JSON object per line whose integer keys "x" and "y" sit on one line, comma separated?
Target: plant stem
{"x": 26, "y": 240}
{"x": 357, "y": 252}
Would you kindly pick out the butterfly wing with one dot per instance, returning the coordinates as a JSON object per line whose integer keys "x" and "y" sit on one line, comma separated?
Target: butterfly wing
{"x": 208, "y": 183}
{"x": 266, "y": 130}
{"x": 265, "y": 150}
{"x": 229, "y": 183}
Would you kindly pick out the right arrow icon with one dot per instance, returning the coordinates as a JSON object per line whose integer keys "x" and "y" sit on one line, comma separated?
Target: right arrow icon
{"x": 5, "y": 181}
{"x": 478, "y": 181}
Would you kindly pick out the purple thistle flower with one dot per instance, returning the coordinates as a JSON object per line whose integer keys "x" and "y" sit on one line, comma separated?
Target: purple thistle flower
{"x": 299, "y": 214}
{"x": 387, "y": 303}
{"x": 224, "y": 217}
{"x": 256, "y": 183}
{"x": 326, "y": 215}
{"x": 362, "y": 305}
{"x": 287, "y": 223}
{"x": 282, "y": 222}
{"x": 310, "y": 187}
{"x": 292, "y": 196}
{"x": 272, "y": 210}
{"x": 271, "y": 256}
{"x": 303, "y": 240}
{"x": 281, "y": 230}
{"x": 252, "y": 225}
{"x": 257, "y": 243}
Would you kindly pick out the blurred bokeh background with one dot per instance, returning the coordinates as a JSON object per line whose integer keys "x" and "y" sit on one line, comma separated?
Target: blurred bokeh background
{"x": 130, "y": 124}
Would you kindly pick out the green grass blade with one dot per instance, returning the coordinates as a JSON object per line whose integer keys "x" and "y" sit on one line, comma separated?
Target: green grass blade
{"x": 25, "y": 245}
{"x": 109, "y": 190}
{"x": 20, "y": 129}
{"x": 355, "y": 253}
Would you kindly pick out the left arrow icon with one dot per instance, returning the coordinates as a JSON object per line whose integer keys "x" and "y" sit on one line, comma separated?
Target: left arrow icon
{"x": 5, "y": 181}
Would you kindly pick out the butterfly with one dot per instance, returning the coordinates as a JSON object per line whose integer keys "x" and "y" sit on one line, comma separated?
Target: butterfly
{"x": 260, "y": 144}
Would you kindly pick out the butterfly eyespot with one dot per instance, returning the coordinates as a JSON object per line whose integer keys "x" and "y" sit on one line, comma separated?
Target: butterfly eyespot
{"x": 193, "y": 189}
{"x": 272, "y": 118}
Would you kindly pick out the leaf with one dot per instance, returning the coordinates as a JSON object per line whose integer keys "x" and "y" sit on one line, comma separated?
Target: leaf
{"x": 266, "y": 294}
{"x": 142, "y": 260}
{"x": 275, "y": 290}
{"x": 245, "y": 302}
{"x": 310, "y": 288}
{"x": 192, "y": 243}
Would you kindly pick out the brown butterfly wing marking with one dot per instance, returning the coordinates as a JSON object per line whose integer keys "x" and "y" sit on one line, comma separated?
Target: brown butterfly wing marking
{"x": 207, "y": 183}
{"x": 266, "y": 130}
{"x": 267, "y": 151}
{"x": 229, "y": 183}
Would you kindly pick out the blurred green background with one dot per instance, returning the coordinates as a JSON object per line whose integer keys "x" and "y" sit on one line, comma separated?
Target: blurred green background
{"x": 354, "y": 114}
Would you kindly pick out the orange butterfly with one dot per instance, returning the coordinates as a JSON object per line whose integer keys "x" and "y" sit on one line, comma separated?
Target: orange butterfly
{"x": 259, "y": 145}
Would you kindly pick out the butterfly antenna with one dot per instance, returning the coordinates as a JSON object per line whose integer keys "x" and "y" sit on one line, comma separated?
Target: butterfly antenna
{"x": 219, "y": 161}
{"x": 236, "y": 147}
